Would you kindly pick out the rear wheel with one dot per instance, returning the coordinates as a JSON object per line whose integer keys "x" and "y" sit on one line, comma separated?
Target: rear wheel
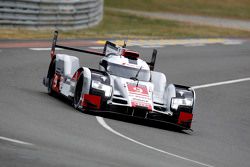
{"x": 78, "y": 92}
{"x": 50, "y": 76}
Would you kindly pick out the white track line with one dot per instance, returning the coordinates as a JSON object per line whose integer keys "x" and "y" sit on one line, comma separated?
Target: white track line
{"x": 106, "y": 126}
{"x": 151, "y": 46}
{"x": 221, "y": 83}
{"x": 96, "y": 47}
{"x": 194, "y": 45}
{"x": 15, "y": 141}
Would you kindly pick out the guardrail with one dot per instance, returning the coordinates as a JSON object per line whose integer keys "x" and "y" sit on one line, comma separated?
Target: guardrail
{"x": 46, "y": 14}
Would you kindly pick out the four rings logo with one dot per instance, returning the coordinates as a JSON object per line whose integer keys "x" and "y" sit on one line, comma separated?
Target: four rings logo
{"x": 140, "y": 89}
{"x": 137, "y": 89}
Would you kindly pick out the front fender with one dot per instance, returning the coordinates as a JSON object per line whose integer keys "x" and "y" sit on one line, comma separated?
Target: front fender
{"x": 179, "y": 91}
{"x": 86, "y": 73}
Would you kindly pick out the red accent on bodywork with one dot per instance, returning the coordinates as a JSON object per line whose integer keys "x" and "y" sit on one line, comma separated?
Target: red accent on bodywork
{"x": 76, "y": 75}
{"x": 56, "y": 83}
{"x": 130, "y": 54}
{"x": 91, "y": 101}
{"x": 185, "y": 118}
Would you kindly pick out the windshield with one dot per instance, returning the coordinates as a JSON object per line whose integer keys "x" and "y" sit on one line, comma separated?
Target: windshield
{"x": 128, "y": 72}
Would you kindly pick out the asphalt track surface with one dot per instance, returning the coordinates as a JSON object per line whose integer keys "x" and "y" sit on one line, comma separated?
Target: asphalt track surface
{"x": 39, "y": 130}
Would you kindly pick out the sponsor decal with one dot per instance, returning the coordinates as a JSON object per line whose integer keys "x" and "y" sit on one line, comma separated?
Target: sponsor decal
{"x": 141, "y": 104}
{"x": 139, "y": 95}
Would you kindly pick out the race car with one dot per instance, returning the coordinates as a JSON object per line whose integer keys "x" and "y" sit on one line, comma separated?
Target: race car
{"x": 124, "y": 84}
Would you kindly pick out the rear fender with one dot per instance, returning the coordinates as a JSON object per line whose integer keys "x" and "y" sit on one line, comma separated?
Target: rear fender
{"x": 66, "y": 65}
{"x": 61, "y": 70}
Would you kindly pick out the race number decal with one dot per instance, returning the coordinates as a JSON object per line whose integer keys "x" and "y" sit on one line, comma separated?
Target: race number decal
{"x": 137, "y": 89}
{"x": 139, "y": 96}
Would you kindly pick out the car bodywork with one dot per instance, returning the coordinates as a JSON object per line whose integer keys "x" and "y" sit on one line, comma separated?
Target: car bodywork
{"x": 124, "y": 83}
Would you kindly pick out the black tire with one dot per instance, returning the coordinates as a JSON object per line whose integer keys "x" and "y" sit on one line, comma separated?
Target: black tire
{"x": 78, "y": 92}
{"x": 50, "y": 76}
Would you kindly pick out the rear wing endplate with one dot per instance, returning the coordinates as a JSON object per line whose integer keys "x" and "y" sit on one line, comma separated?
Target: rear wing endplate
{"x": 153, "y": 58}
{"x": 109, "y": 47}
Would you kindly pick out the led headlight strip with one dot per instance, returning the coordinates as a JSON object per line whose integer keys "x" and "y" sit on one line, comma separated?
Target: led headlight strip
{"x": 176, "y": 102}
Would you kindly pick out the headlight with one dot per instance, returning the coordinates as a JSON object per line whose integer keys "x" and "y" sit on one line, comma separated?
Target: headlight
{"x": 176, "y": 102}
{"x": 106, "y": 88}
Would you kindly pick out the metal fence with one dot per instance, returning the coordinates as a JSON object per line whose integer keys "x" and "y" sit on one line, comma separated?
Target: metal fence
{"x": 46, "y": 14}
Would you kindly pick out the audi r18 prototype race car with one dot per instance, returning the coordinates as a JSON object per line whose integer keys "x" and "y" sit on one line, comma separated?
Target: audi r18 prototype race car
{"x": 124, "y": 83}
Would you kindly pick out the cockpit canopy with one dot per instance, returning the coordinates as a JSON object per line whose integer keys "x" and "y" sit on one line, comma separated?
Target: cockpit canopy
{"x": 122, "y": 62}
{"x": 128, "y": 72}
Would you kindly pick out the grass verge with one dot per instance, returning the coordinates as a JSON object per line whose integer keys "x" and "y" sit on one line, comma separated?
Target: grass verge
{"x": 238, "y": 9}
{"x": 121, "y": 25}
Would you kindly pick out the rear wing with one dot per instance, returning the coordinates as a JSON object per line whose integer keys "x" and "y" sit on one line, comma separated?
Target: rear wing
{"x": 109, "y": 47}
{"x": 55, "y": 45}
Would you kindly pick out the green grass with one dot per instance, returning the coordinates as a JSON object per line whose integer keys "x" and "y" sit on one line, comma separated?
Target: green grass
{"x": 121, "y": 25}
{"x": 239, "y": 9}
{"x": 126, "y": 24}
